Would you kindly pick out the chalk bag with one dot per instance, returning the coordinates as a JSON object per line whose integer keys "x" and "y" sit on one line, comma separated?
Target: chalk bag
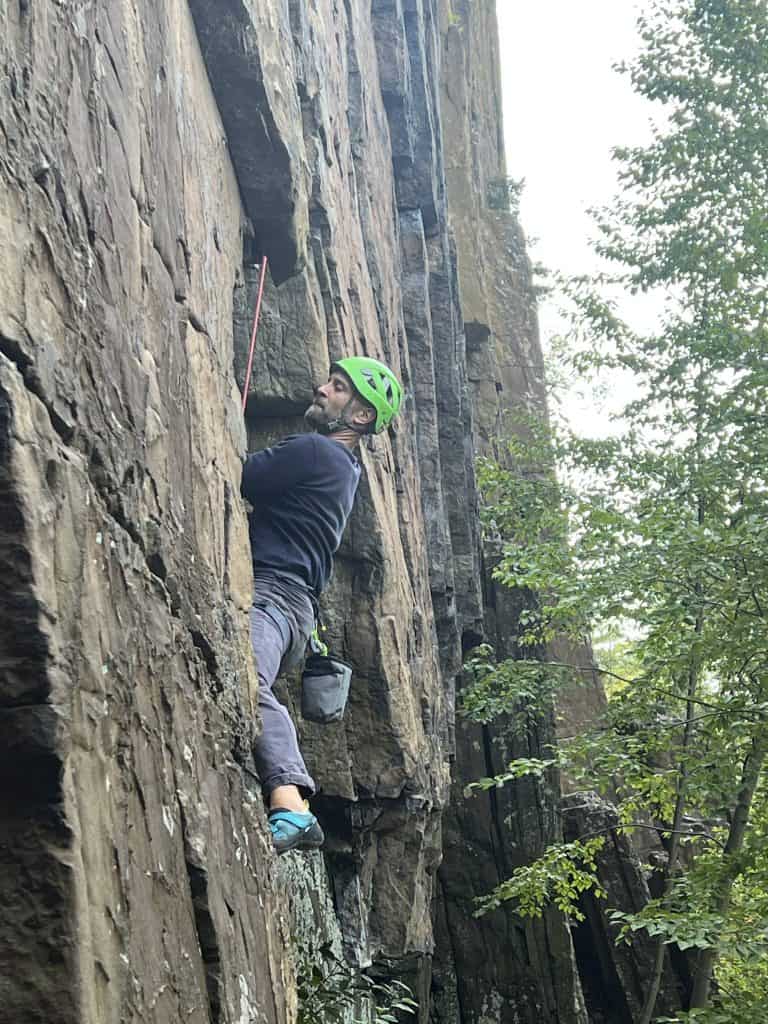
{"x": 324, "y": 689}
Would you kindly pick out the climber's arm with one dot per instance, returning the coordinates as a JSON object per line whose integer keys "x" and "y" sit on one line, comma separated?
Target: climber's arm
{"x": 274, "y": 470}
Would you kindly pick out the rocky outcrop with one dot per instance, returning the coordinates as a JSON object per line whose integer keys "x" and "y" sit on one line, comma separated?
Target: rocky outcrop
{"x": 497, "y": 967}
{"x": 134, "y": 870}
{"x": 383, "y": 775}
{"x": 153, "y": 156}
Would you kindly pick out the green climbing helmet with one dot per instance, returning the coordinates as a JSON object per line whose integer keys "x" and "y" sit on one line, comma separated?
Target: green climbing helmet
{"x": 376, "y": 384}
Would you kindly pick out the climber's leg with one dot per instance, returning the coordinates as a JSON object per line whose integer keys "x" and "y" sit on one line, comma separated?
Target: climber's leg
{"x": 278, "y": 759}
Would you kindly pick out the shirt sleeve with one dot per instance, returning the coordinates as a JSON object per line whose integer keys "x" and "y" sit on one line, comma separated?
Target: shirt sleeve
{"x": 274, "y": 470}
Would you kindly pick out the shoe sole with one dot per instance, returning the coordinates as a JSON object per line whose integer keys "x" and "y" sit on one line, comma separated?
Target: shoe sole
{"x": 303, "y": 842}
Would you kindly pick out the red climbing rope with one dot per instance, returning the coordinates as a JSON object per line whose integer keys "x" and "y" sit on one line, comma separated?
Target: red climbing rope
{"x": 247, "y": 382}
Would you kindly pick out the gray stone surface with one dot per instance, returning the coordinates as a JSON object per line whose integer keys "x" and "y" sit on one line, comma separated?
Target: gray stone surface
{"x": 497, "y": 968}
{"x": 133, "y": 864}
{"x": 151, "y": 155}
{"x": 384, "y": 773}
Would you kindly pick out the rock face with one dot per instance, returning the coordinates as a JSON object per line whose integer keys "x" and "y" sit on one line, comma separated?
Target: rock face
{"x": 496, "y": 968}
{"x": 135, "y": 876}
{"x": 152, "y": 156}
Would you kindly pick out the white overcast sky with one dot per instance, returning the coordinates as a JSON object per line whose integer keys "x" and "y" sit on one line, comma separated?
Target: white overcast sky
{"x": 564, "y": 109}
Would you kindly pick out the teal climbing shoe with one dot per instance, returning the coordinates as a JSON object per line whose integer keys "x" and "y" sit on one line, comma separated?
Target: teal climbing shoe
{"x": 294, "y": 830}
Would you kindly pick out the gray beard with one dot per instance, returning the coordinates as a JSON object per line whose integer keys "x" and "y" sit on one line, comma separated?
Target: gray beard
{"x": 316, "y": 417}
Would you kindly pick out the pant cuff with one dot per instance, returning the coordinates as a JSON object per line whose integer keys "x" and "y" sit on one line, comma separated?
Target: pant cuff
{"x": 304, "y": 782}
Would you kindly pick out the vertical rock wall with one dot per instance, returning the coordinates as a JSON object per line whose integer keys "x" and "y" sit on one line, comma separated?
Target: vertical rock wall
{"x": 498, "y": 967}
{"x": 152, "y": 155}
{"x": 134, "y": 873}
{"x": 383, "y": 774}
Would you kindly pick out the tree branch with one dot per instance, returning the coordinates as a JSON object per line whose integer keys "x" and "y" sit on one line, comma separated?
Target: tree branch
{"x": 654, "y": 828}
{"x": 638, "y": 679}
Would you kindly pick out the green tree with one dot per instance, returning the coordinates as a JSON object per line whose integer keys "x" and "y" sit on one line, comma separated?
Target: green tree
{"x": 664, "y": 526}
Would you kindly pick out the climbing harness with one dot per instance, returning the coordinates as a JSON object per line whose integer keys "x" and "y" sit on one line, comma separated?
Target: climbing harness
{"x": 249, "y": 367}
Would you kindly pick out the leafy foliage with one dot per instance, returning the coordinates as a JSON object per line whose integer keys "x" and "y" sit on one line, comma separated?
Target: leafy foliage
{"x": 505, "y": 193}
{"x": 661, "y": 530}
{"x": 525, "y": 686}
{"x": 559, "y": 876}
{"x": 331, "y": 991}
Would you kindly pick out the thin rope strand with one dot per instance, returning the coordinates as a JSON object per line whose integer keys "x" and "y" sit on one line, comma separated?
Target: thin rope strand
{"x": 247, "y": 382}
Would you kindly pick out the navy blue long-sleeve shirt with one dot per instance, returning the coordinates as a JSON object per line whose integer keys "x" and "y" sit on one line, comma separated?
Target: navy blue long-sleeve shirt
{"x": 302, "y": 491}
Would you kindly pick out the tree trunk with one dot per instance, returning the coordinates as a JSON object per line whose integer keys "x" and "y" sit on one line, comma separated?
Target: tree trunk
{"x": 649, "y": 1006}
{"x": 750, "y": 777}
{"x": 694, "y": 673}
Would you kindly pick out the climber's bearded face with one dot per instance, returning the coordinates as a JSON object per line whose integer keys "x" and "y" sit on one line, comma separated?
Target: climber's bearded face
{"x": 335, "y": 398}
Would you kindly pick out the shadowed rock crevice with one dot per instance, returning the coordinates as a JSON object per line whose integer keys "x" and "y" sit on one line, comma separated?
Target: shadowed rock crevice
{"x": 615, "y": 977}
{"x": 24, "y": 646}
{"x": 260, "y": 118}
{"x": 37, "y": 935}
{"x": 29, "y": 764}
{"x": 206, "y": 935}
{"x": 603, "y": 993}
{"x": 14, "y": 352}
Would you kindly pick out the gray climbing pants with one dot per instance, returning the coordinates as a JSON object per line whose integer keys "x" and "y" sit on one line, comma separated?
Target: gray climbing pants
{"x": 282, "y": 619}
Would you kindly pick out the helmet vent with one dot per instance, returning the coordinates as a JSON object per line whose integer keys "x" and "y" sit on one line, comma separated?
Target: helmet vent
{"x": 379, "y": 383}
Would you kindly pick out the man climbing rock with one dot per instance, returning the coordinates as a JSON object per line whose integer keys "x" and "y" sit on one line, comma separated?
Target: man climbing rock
{"x": 302, "y": 491}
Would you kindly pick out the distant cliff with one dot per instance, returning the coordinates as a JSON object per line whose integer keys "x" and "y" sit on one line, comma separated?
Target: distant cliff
{"x": 152, "y": 155}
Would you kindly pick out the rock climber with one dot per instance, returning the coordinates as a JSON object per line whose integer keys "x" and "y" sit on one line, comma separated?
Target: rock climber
{"x": 302, "y": 491}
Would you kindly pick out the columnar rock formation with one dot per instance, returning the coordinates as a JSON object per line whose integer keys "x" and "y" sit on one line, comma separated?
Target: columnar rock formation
{"x": 152, "y": 155}
{"x": 484, "y": 967}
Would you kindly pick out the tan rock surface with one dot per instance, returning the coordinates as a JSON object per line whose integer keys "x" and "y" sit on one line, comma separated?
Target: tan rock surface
{"x": 129, "y": 837}
{"x": 152, "y": 153}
